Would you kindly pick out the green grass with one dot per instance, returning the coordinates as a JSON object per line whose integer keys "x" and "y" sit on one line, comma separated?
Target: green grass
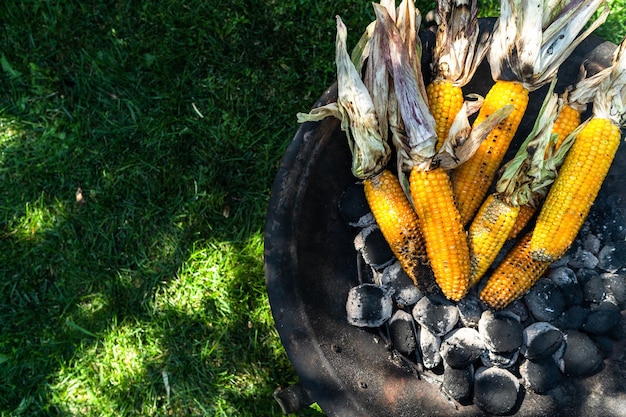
{"x": 143, "y": 294}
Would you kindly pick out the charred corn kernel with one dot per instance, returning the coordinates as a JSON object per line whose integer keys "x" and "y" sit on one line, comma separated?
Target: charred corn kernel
{"x": 488, "y": 233}
{"x": 472, "y": 179}
{"x": 446, "y": 241}
{"x": 444, "y": 101}
{"x": 565, "y": 123}
{"x": 526, "y": 212}
{"x": 397, "y": 220}
{"x": 575, "y": 189}
{"x": 517, "y": 273}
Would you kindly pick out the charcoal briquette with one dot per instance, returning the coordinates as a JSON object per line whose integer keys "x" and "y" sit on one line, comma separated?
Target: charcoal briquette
{"x": 612, "y": 256}
{"x": 501, "y": 331}
{"x": 573, "y": 317}
{"x": 581, "y": 356}
{"x": 541, "y": 339}
{"x": 470, "y": 310}
{"x": 602, "y": 318}
{"x": 592, "y": 243}
{"x": 541, "y": 374}
{"x": 458, "y": 382}
{"x": 368, "y": 305}
{"x": 436, "y": 314}
{"x": 401, "y": 332}
{"x": 593, "y": 290}
{"x": 372, "y": 245}
{"x": 405, "y": 292}
{"x": 496, "y": 390}
{"x": 430, "y": 346}
{"x": 565, "y": 279}
{"x": 583, "y": 275}
{"x": 462, "y": 347}
{"x": 545, "y": 301}
{"x": 583, "y": 259}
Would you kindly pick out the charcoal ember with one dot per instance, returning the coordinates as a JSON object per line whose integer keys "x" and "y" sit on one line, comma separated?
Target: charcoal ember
{"x": 462, "y": 347}
{"x": 402, "y": 332}
{"x": 436, "y": 314}
{"x": 583, "y": 258}
{"x": 612, "y": 256}
{"x": 369, "y": 305}
{"x": 614, "y": 288}
{"x": 565, "y": 279}
{"x": 541, "y": 374}
{"x": 405, "y": 292}
{"x": 430, "y": 346}
{"x": 353, "y": 206}
{"x": 602, "y": 318}
{"x": 541, "y": 339}
{"x": 592, "y": 243}
{"x": 499, "y": 359}
{"x": 496, "y": 390}
{"x": 593, "y": 290}
{"x": 501, "y": 331}
{"x": 583, "y": 275}
{"x": 581, "y": 356}
{"x": 470, "y": 310}
{"x": 573, "y": 317}
{"x": 372, "y": 245}
{"x": 545, "y": 300}
{"x": 458, "y": 382}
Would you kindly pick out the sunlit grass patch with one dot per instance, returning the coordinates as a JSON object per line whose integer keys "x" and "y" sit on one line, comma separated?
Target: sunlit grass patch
{"x": 114, "y": 369}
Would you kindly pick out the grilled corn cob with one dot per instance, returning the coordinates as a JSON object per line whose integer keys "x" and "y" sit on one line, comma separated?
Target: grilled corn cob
{"x": 458, "y": 52}
{"x": 526, "y": 212}
{"x": 565, "y": 123}
{"x": 397, "y": 220}
{"x": 568, "y": 119}
{"x": 530, "y": 41}
{"x": 517, "y": 273}
{"x": 488, "y": 232}
{"x": 430, "y": 188}
{"x": 445, "y": 238}
{"x": 523, "y": 176}
{"x": 357, "y": 111}
{"x": 585, "y": 166}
